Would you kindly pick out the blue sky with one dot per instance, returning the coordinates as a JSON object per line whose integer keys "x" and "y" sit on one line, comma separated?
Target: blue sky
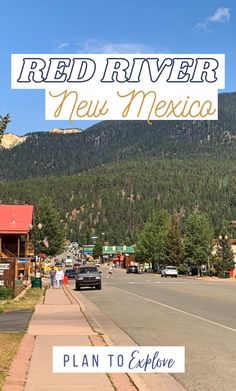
{"x": 106, "y": 26}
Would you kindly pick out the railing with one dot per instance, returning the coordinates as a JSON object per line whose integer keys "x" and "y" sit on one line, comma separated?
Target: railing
{"x": 7, "y": 254}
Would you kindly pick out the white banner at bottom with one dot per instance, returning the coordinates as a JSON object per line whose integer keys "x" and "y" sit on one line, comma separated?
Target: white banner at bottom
{"x": 118, "y": 359}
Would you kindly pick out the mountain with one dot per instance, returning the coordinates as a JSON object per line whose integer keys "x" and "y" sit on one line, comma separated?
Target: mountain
{"x": 10, "y": 140}
{"x": 110, "y": 177}
{"x": 45, "y": 153}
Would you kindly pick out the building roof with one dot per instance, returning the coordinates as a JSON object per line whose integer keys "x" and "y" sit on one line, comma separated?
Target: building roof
{"x": 15, "y": 219}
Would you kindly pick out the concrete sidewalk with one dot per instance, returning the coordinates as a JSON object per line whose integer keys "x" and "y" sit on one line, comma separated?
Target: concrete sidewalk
{"x": 59, "y": 321}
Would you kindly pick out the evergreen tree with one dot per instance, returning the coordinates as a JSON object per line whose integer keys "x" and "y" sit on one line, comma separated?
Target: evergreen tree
{"x": 97, "y": 250}
{"x": 174, "y": 242}
{"x": 152, "y": 239}
{"x": 225, "y": 254}
{"x": 4, "y": 121}
{"x": 198, "y": 239}
{"x": 51, "y": 229}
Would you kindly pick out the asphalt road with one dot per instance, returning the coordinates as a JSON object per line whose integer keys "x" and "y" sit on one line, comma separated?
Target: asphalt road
{"x": 15, "y": 321}
{"x": 199, "y": 315}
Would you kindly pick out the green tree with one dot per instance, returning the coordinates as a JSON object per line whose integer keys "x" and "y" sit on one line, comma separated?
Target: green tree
{"x": 4, "y": 121}
{"x": 51, "y": 228}
{"x": 225, "y": 255}
{"x": 97, "y": 250}
{"x": 198, "y": 239}
{"x": 152, "y": 239}
{"x": 174, "y": 241}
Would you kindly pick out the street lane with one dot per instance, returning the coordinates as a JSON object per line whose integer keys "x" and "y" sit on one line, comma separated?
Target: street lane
{"x": 155, "y": 311}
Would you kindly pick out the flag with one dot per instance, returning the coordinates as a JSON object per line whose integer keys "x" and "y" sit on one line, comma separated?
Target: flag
{"x": 45, "y": 242}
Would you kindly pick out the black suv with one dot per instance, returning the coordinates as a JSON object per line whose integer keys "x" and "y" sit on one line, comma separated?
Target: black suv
{"x": 88, "y": 276}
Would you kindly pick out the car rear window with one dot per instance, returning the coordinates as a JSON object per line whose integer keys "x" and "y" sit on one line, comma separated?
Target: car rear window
{"x": 86, "y": 270}
{"x": 171, "y": 268}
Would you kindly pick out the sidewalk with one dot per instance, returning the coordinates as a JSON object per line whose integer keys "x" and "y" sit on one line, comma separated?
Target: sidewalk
{"x": 63, "y": 318}
{"x": 59, "y": 321}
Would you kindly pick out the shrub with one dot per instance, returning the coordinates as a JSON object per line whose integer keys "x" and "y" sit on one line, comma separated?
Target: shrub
{"x": 6, "y": 293}
{"x": 182, "y": 269}
{"x": 212, "y": 272}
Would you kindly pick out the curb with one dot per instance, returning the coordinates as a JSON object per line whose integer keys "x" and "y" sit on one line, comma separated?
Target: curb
{"x": 17, "y": 377}
{"x": 18, "y": 371}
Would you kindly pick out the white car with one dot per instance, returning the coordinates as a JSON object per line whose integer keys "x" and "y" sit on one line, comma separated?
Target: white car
{"x": 170, "y": 271}
{"x": 68, "y": 262}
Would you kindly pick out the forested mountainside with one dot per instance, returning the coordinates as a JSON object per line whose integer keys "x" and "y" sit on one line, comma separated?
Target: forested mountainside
{"x": 44, "y": 154}
{"x": 117, "y": 198}
{"x": 111, "y": 176}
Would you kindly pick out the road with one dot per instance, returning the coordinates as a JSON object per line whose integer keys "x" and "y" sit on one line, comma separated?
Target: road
{"x": 199, "y": 315}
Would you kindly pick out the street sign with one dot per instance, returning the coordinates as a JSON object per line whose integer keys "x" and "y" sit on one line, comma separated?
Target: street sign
{"x": 4, "y": 266}
{"x": 22, "y": 261}
{"x": 7, "y": 273}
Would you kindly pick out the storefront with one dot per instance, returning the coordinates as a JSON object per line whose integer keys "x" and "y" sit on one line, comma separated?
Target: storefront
{"x": 15, "y": 244}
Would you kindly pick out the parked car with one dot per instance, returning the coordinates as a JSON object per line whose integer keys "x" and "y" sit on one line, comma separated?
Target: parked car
{"x": 192, "y": 270}
{"x": 70, "y": 273}
{"x": 58, "y": 263}
{"x": 88, "y": 276}
{"x": 169, "y": 271}
{"x": 132, "y": 269}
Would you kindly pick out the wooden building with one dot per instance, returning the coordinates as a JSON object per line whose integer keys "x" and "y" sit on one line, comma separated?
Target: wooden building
{"x": 15, "y": 225}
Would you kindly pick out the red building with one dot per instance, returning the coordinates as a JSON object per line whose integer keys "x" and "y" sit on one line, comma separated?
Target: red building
{"x": 15, "y": 225}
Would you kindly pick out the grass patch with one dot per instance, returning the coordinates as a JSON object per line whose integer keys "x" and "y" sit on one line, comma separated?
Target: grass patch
{"x": 28, "y": 301}
{"x": 9, "y": 343}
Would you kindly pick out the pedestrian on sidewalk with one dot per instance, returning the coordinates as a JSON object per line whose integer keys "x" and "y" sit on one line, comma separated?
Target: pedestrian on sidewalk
{"x": 52, "y": 275}
{"x": 59, "y": 277}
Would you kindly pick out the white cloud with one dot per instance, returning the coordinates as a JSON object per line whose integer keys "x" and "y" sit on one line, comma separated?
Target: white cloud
{"x": 221, "y": 14}
{"x": 201, "y": 26}
{"x": 95, "y": 46}
{"x": 63, "y": 45}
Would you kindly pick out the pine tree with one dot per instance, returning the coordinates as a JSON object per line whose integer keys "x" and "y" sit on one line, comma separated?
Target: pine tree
{"x": 174, "y": 242}
{"x": 152, "y": 239}
{"x": 4, "y": 121}
{"x": 198, "y": 239}
{"x": 51, "y": 228}
{"x": 97, "y": 250}
{"x": 225, "y": 254}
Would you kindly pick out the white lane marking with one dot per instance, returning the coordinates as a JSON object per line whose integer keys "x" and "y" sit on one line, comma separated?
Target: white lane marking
{"x": 145, "y": 282}
{"x": 176, "y": 309}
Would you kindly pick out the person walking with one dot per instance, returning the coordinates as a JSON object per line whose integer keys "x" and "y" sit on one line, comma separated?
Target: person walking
{"x": 52, "y": 275}
{"x": 59, "y": 277}
{"x": 110, "y": 270}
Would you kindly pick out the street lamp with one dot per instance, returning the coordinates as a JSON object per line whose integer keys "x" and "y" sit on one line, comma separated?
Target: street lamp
{"x": 103, "y": 233}
{"x": 37, "y": 242}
